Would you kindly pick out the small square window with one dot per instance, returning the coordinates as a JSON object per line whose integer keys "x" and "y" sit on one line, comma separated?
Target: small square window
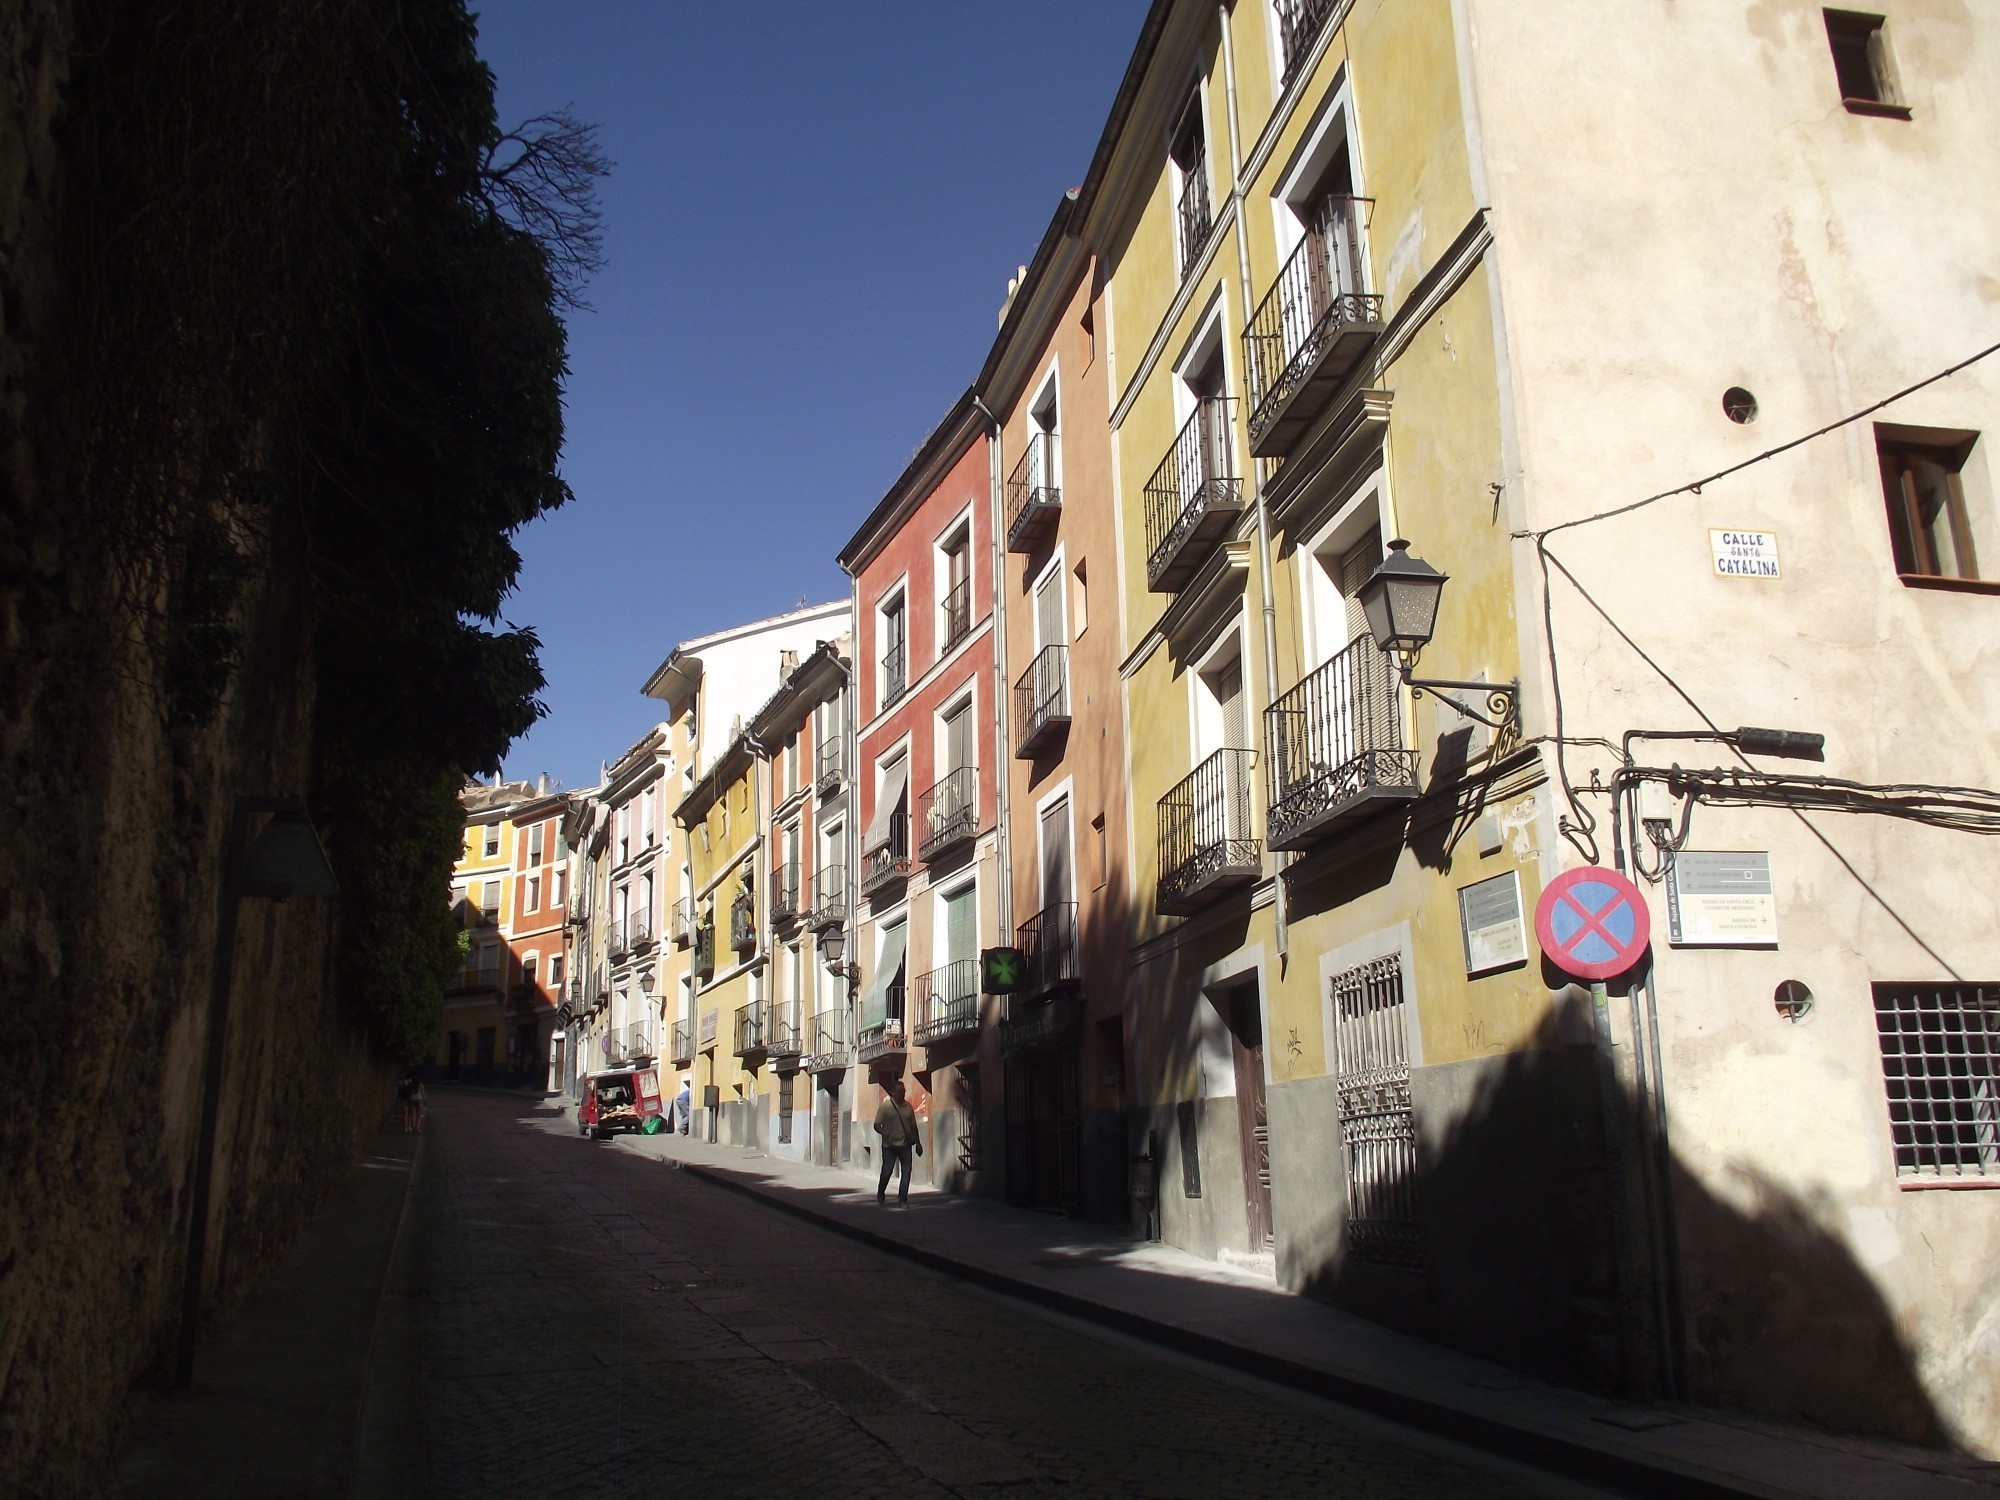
{"x": 1863, "y": 64}
{"x": 1935, "y": 528}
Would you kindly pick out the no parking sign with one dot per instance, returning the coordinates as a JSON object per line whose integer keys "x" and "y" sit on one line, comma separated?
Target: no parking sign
{"x": 1592, "y": 923}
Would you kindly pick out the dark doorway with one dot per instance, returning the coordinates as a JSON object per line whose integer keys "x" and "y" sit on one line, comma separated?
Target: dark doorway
{"x": 1044, "y": 1166}
{"x": 1246, "y": 1044}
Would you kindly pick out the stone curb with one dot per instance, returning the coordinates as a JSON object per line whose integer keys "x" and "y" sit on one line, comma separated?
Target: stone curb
{"x": 1543, "y": 1449}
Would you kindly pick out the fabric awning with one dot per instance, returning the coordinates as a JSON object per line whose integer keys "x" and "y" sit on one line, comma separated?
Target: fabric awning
{"x": 894, "y": 785}
{"x": 875, "y": 1003}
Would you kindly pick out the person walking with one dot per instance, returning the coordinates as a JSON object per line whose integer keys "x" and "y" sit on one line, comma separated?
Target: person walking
{"x": 896, "y": 1123}
{"x": 406, "y": 1095}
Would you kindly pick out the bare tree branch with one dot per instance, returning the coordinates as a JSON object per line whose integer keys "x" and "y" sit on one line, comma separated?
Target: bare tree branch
{"x": 542, "y": 178}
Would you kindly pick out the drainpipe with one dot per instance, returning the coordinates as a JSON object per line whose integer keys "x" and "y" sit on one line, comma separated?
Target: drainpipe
{"x": 850, "y": 1084}
{"x": 1003, "y": 842}
{"x": 1278, "y": 904}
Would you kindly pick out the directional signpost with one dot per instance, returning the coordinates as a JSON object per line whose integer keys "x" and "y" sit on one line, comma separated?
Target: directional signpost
{"x": 1592, "y": 923}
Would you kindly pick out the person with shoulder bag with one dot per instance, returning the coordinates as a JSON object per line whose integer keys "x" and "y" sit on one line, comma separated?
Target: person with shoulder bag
{"x": 896, "y": 1123}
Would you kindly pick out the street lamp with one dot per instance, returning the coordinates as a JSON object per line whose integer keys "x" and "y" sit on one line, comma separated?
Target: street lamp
{"x": 833, "y": 943}
{"x": 1400, "y": 602}
{"x": 284, "y": 860}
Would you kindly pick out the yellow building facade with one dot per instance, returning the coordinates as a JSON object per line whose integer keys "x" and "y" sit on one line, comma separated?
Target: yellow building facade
{"x": 1331, "y": 872}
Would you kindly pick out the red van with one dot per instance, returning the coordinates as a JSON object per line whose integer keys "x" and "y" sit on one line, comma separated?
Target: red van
{"x": 620, "y": 1099}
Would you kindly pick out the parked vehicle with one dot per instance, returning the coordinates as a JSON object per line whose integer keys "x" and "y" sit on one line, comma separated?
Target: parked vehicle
{"x": 620, "y": 1099}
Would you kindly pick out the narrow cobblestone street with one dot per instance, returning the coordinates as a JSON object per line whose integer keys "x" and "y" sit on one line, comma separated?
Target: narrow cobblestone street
{"x": 590, "y": 1320}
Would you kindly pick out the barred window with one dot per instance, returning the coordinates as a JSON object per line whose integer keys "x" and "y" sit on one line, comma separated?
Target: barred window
{"x": 1377, "y": 1124}
{"x": 1940, "y": 1044}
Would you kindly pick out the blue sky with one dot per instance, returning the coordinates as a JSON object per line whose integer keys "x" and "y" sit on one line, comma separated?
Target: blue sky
{"x": 811, "y": 220}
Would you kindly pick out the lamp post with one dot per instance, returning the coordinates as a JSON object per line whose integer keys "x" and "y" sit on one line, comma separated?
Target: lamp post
{"x": 833, "y": 943}
{"x": 1400, "y": 601}
{"x": 284, "y": 860}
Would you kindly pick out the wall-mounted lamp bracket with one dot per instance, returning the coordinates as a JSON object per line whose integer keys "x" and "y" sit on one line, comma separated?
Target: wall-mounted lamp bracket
{"x": 1503, "y": 700}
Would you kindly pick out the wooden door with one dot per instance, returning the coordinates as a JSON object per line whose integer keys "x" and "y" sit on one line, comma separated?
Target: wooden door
{"x": 1246, "y": 1031}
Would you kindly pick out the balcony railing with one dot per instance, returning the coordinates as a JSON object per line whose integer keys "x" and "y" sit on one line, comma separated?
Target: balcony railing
{"x": 478, "y": 979}
{"x": 882, "y": 1034}
{"x": 829, "y": 898}
{"x": 948, "y": 814}
{"x": 891, "y": 862}
{"x": 1034, "y": 495}
{"x": 1334, "y": 748}
{"x": 1047, "y": 941}
{"x": 1299, "y": 24}
{"x": 639, "y": 1040}
{"x": 704, "y": 951}
{"x": 785, "y": 893}
{"x": 1193, "y": 497}
{"x": 639, "y": 930}
{"x": 1195, "y": 219}
{"x": 781, "y": 1034}
{"x": 742, "y": 925}
{"x": 832, "y": 767}
{"x": 614, "y": 938}
{"x": 680, "y": 922}
{"x": 894, "y": 679}
{"x": 1041, "y": 702}
{"x": 1205, "y": 841}
{"x": 751, "y": 1041}
{"x": 683, "y": 1044}
{"x": 1311, "y": 329}
{"x": 957, "y": 614}
{"x": 947, "y": 1002}
{"x": 827, "y": 1048}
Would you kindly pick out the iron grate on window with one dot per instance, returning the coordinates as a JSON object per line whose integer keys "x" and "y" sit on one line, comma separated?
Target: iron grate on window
{"x": 1378, "y": 1131}
{"x": 1940, "y": 1047}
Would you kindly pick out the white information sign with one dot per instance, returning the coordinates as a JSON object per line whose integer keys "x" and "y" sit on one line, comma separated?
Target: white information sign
{"x": 1722, "y": 900}
{"x": 1489, "y": 915}
{"x": 1745, "y": 554}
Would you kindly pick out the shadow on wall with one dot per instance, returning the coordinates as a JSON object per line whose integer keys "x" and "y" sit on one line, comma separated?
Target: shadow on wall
{"x": 1521, "y": 1262}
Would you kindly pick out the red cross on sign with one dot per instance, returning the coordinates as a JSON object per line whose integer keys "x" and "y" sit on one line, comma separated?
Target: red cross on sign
{"x": 1592, "y": 923}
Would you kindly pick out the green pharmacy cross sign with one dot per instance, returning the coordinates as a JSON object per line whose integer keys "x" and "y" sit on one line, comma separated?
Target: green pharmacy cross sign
{"x": 1002, "y": 971}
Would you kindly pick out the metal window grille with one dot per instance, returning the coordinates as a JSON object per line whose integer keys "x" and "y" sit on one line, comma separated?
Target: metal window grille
{"x": 1941, "y": 1067}
{"x": 1378, "y": 1135}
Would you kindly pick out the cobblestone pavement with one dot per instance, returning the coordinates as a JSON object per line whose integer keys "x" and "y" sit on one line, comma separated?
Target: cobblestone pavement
{"x": 597, "y": 1323}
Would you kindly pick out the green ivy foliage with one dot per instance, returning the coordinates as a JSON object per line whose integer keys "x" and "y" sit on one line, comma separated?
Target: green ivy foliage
{"x": 440, "y": 436}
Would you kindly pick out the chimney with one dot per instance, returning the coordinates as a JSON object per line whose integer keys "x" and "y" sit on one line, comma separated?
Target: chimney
{"x": 542, "y": 784}
{"x": 1013, "y": 285}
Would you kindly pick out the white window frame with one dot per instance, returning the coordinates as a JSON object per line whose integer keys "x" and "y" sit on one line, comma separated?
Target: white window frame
{"x": 895, "y": 599}
{"x": 1333, "y": 130}
{"x": 1048, "y": 394}
{"x": 1232, "y": 637}
{"x": 1061, "y": 791}
{"x": 1196, "y": 95}
{"x": 1056, "y": 564}
{"x": 1367, "y": 508}
{"x": 941, "y": 575}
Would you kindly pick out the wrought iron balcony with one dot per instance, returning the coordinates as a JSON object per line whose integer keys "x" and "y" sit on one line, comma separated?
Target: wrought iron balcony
{"x": 894, "y": 678}
{"x": 827, "y": 1049}
{"x": 784, "y": 894}
{"x": 614, "y": 938}
{"x": 1034, "y": 494}
{"x": 957, "y": 615}
{"x": 680, "y": 922}
{"x": 1205, "y": 842}
{"x": 682, "y": 1052}
{"x": 1041, "y": 702}
{"x": 890, "y": 863}
{"x": 476, "y": 978}
{"x": 704, "y": 951}
{"x": 781, "y": 1034}
{"x": 1194, "y": 218}
{"x": 947, "y": 1002}
{"x": 829, "y": 898}
{"x": 1313, "y": 326}
{"x": 832, "y": 767}
{"x": 1047, "y": 941}
{"x": 948, "y": 813}
{"x": 639, "y": 931}
{"x": 1334, "y": 748}
{"x": 743, "y": 924}
{"x": 751, "y": 1041}
{"x": 1299, "y": 25}
{"x": 639, "y": 1041}
{"x": 883, "y": 1035}
{"x": 1193, "y": 497}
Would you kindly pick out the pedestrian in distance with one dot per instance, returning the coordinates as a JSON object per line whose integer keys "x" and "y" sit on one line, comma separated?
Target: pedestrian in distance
{"x": 896, "y": 1123}
{"x": 417, "y": 1100}
{"x": 406, "y": 1095}
{"x": 683, "y": 1107}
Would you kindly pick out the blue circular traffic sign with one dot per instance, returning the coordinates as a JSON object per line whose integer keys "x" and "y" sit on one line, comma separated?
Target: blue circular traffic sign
{"x": 1592, "y": 923}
